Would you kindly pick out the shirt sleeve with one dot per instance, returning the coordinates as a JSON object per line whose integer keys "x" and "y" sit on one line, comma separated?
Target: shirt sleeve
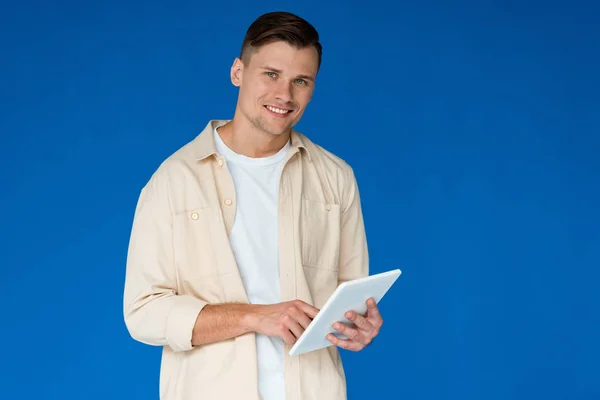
{"x": 154, "y": 312}
{"x": 354, "y": 255}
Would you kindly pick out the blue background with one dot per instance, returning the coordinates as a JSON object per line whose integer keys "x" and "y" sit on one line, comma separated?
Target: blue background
{"x": 474, "y": 131}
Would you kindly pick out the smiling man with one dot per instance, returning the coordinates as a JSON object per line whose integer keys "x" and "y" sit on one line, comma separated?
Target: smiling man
{"x": 241, "y": 235}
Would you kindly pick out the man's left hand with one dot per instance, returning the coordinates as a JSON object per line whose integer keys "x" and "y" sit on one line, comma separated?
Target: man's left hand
{"x": 367, "y": 328}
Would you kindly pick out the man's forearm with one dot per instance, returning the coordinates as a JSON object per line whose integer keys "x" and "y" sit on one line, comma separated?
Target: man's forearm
{"x": 218, "y": 322}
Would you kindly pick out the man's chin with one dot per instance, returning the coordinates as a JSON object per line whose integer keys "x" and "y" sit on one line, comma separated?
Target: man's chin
{"x": 272, "y": 129}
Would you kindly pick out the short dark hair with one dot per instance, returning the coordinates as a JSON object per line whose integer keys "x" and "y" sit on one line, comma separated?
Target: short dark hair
{"x": 280, "y": 26}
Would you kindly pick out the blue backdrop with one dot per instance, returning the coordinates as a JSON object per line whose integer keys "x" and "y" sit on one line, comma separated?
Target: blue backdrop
{"x": 474, "y": 131}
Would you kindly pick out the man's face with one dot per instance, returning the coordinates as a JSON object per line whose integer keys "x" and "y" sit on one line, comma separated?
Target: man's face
{"x": 275, "y": 86}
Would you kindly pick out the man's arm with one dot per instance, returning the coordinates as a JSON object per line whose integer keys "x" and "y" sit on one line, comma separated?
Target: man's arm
{"x": 224, "y": 321}
{"x": 354, "y": 263}
{"x": 156, "y": 314}
{"x": 354, "y": 255}
{"x": 221, "y": 322}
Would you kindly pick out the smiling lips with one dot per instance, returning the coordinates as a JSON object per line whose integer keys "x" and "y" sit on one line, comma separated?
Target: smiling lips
{"x": 278, "y": 112}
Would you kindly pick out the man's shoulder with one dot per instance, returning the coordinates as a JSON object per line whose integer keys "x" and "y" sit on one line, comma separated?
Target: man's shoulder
{"x": 181, "y": 158}
{"x": 197, "y": 148}
{"x": 331, "y": 162}
{"x": 185, "y": 154}
{"x": 181, "y": 163}
{"x": 339, "y": 174}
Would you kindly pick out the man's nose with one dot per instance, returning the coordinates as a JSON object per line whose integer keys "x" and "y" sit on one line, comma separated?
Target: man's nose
{"x": 284, "y": 92}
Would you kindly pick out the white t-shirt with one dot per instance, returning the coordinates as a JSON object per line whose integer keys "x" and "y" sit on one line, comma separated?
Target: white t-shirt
{"x": 254, "y": 243}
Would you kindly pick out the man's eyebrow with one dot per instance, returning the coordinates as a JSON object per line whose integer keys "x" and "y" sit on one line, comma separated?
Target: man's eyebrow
{"x": 271, "y": 69}
{"x": 307, "y": 77}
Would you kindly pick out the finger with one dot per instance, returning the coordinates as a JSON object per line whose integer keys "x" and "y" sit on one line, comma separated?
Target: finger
{"x": 285, "y": 334}
{"x": 350, "y": 333}
{"x": 304, "y": 321}
{"x": 372, "y": 309}
{"x": 292, "y": 325}
{"x": 301, "y": 317}
{"x": 361, "y": 322}
{"x": 345, "y": 343}
{"x": 373, "y": 314}
{"x": 307, "y": 308}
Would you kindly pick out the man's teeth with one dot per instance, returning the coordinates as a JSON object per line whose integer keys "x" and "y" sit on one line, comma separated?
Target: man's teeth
{"x": 277, "y": 110}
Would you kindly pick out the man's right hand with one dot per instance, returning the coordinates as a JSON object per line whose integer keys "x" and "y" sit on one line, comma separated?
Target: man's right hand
{"x": 285, "y": 320}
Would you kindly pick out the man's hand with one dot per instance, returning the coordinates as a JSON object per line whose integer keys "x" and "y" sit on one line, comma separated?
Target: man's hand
{"x": 367, "y": 328}
{"x": 285, "y": 320}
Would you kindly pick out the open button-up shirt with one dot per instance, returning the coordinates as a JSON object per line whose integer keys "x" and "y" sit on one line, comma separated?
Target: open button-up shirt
{"x": 180, "y": 259}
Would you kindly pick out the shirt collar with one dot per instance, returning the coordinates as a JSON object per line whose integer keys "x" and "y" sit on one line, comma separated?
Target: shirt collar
{"x": 204, "y": 144}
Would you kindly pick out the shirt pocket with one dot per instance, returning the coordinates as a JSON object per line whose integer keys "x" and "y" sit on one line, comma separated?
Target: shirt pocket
{"x": 320, "y": 234}
{"x": 194, "y": 242}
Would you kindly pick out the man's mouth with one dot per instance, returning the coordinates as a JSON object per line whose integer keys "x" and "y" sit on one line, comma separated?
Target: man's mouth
{"x": 278, "y": 111}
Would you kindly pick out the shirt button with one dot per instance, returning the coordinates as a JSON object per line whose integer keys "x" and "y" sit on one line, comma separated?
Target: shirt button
{"x": 228, "y": 202}
{"x": 328, "y": 207}
{"x": 220, "y": 161}
{"x": 195, "y": 215}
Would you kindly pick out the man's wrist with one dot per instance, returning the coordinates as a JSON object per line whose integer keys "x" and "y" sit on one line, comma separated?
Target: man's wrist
{"x": 251, "y": 320}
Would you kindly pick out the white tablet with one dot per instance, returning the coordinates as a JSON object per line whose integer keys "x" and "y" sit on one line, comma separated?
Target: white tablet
{"x": 349, "y": 296}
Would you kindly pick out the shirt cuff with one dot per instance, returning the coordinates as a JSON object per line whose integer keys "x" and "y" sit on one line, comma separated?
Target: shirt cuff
{"x": 181, "y": 321}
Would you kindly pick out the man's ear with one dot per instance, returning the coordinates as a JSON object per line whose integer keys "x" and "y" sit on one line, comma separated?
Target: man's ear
{"x": 236, "y": 72}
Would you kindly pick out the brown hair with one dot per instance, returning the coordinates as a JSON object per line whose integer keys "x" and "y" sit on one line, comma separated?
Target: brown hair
{"x": 280, "y": 26}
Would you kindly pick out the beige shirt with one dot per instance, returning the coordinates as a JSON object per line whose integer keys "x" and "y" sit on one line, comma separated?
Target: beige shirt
{"x": 180, "y": 259}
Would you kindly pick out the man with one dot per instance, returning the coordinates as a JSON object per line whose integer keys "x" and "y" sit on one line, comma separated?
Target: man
{"x": 241, "y": 235}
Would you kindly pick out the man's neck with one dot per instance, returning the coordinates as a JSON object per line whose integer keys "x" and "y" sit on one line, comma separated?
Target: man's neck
{"x": 244, "y": 138}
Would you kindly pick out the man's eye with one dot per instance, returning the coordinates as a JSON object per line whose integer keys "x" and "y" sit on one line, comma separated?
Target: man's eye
{"x": 300, "y": 81}
{"x": 271, "y": 74}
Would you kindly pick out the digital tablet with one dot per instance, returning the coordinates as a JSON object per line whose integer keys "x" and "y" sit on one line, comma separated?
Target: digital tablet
{"x": 349, "y": 296}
